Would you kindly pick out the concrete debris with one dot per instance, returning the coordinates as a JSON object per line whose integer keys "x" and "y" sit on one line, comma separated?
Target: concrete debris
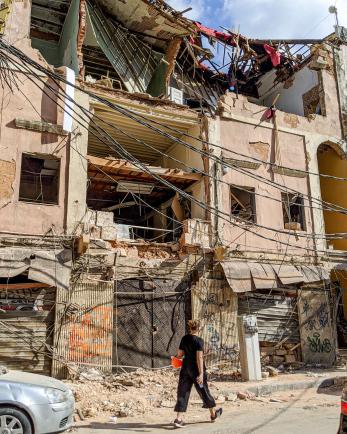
{"x": 273, "y": 372}
{"x": 220, "y": 399}
{"x": 284, "y": 355}
{"x": 265, "y": 375}
{"x": 118, "y": 395}
{"x": 135, "y": 393}
{"x": 89, "y": 412}
{"x": 275, "y": 400}
{"x": 3, "y": 370}
{"x": 242, "y": 395}
{"x": 91, "y": 375}
{"x": 231, "y": 397}
{"x": 245, "y": 395}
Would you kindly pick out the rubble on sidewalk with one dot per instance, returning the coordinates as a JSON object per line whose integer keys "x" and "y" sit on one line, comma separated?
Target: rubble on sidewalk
{"x": 286, "y": 354}
{"x": 134, "y": 393}
{"x": 116, "y": 394}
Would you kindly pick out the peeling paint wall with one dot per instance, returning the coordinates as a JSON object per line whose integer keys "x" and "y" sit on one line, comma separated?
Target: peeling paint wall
{"x": 32, "y": 105}
{"x": 7, "y": 177}
{"x": 259, "y": 143}
{"x": 243, "y": 130}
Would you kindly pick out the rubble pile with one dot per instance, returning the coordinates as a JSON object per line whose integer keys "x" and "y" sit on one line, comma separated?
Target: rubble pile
{"x": 135, "y": 393}
{"x": 286, "y": 355}
{"x": 119, "y": 394}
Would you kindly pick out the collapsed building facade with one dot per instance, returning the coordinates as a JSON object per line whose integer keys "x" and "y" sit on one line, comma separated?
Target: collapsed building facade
{"x": 148, "y": 177}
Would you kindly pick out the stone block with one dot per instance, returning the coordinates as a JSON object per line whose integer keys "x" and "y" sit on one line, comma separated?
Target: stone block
{"x": 104, "y": 218}
{"x": 90, "y": 217}
{"x": 109, "y": 232}
{"x": 95, "y": 232}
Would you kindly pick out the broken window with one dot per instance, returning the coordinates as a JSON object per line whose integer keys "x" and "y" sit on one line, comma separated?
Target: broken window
{"x": 39, "y": 179}
{"x": 243, "y": 203}
{"x": 293, "y": 212}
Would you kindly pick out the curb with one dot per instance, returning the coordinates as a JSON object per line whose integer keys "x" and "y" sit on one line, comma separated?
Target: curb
{"x": 268, "y": 389}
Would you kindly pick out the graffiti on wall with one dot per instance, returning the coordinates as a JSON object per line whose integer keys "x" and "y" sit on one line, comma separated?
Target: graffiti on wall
{"x": 316, "y": 319}
{"x": 318, "y": 345}
{"x": 215, "y": 306}
{"x": 216, "y": 346}
{"x": 89, "y": 333}
{"x": 316, "y": 328}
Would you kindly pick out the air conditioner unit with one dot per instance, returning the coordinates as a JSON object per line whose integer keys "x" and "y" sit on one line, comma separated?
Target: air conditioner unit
{"x": 176, "y": 95}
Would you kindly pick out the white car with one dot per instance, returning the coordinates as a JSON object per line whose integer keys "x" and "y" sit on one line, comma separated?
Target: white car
{"x": 34, "y": 404}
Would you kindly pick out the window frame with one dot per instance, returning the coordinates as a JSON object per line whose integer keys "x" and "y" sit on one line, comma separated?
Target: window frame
{"x": 40, "y": 157}
{"x": 251, "y": 191}
{"x": 302, "y": 214}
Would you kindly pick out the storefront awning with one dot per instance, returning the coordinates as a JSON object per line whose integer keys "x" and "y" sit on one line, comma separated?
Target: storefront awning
{"x": 45, "y": 266}
{"x": 244, "y": 276}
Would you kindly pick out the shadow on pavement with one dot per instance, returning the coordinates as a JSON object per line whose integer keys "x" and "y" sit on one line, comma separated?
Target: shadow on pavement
{"x": 140, "y": 427}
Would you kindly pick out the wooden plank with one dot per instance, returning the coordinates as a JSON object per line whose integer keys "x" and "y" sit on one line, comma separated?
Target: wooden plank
{"x": 113, "y": 166}
{"x": 34, "y": 285}
{"x": 238, "y": 201}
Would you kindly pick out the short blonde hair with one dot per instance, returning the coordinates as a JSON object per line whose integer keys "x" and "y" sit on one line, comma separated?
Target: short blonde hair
{"x": 193, "y": 325}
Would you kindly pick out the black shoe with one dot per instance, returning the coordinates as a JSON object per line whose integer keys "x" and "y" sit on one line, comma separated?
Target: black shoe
{"x": 217, "y": 413}
{"x": 179, "y": 423}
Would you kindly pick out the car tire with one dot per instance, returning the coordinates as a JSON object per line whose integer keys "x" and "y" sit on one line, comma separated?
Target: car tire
{"x": 19, "y": 417}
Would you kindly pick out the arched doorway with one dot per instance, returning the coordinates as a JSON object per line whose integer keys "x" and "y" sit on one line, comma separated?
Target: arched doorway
{"x": 332, "y": 161}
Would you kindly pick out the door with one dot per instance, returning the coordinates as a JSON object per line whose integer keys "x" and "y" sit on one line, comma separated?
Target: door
{"x": 149, "y": 322}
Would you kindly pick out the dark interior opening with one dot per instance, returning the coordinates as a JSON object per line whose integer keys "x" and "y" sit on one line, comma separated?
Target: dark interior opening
{"x": 243, "y": 203}
{"x": 293, "y": 212}
{"x": 39, "y": 179}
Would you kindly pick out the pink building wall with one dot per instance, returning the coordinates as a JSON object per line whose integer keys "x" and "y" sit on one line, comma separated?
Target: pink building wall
{"x": 243, "y": 129}
{"x": 27, "y": 102}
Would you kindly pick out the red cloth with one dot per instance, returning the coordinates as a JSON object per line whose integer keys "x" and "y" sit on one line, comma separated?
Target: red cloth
{"x": 224, "y": 37}
{"x": 270, "y": 113}
{"x": 275, "y": 56}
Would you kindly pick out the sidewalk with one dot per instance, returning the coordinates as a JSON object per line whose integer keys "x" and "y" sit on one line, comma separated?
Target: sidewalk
{"x": 136, "y": 394}
{"x": 283, "y": 382}
{"x": 307, "y": 411}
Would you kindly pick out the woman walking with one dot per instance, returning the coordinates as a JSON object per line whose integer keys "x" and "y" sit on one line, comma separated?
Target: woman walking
{"x": 193, "y": 371}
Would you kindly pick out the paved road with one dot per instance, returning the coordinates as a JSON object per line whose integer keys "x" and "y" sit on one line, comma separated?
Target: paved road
{"x": 282, "y": 419}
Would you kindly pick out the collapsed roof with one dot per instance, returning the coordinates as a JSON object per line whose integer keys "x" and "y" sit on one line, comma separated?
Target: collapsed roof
{"x": 146, "y": 46}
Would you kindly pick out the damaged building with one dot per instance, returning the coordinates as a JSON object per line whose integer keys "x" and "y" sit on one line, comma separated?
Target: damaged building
{"x": 155, "y": 170}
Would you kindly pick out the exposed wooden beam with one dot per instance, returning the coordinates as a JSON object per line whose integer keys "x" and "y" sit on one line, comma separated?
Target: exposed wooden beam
{"x": 25, "y": 285}
{"x": 121, "y": 166}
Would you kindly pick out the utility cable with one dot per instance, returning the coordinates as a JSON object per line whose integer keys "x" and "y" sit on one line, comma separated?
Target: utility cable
{"x": 122, "y": 110}
{"x": 129, "y": 157}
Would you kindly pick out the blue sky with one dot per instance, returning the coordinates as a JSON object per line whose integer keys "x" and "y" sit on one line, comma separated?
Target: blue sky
{"x": 267, "y": 18}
